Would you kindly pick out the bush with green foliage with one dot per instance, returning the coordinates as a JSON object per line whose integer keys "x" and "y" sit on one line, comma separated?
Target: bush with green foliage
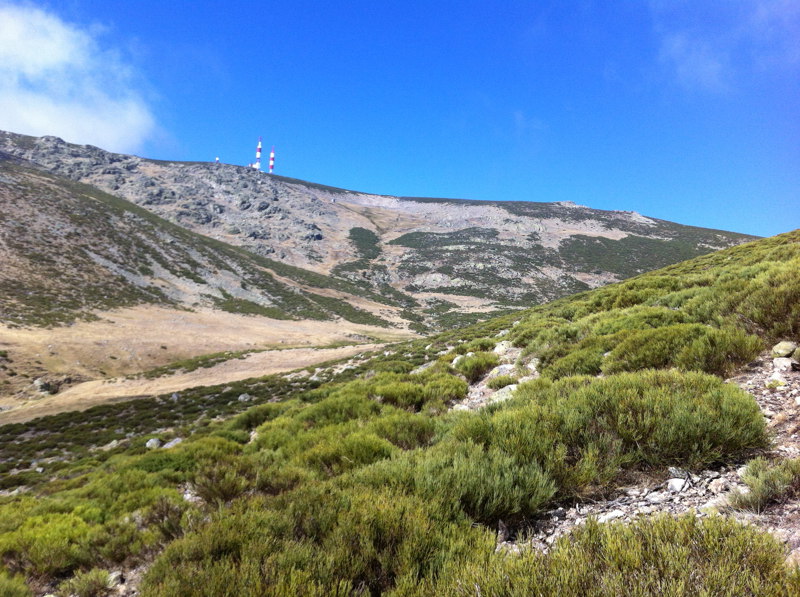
{"x": 477, "y": 365}
{"x": 767, "y": 484}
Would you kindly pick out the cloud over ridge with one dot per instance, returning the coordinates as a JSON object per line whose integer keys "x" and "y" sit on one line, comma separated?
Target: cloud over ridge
{"x": 55, "y": 79}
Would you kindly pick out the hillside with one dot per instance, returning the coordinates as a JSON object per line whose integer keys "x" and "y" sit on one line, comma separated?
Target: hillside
{"x": 72, "y": 253}
{"x": 431, "y": 468}
{"x": 428, "y": 255}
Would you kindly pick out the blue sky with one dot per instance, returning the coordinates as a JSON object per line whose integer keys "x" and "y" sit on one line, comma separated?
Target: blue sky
{"x": 686, "y": 111}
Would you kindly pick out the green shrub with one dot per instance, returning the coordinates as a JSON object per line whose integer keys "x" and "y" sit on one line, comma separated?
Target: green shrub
{"x": 220, "y": 482}
{"x": 93, "y": 583}
{"x": 475, "y": 366}
{"x": 335, "y": 456}
{"x": 13, "y": 586}
{"x": 501, "y": 381}
{"x": 445, "y": 388}
{"x": 651, "y": 557}
{"x": 50, "y": 544}
{"x": 402, "y": 394}
{"x": 767, "y": 484}
{"x": 583, "y": 431}
{"x": 719, "y": 352}
{"x": 405, "y": 430}
{"x": 652, "y": 348}
{"x": 394, "y": 366}
{"x": 487, "y": 485}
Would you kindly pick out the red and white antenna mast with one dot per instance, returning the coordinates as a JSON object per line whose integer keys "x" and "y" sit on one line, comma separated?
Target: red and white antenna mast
{"x": 272, "y": 159}
{"x": 257, "y": 165}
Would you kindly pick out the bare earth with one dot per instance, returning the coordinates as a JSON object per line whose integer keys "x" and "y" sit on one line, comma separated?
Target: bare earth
{"x": 138, "y": 339}
{"x": 91, "y": 393}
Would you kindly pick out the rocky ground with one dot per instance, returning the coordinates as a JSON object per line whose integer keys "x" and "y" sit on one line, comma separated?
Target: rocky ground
{"x": 774, "y": 383}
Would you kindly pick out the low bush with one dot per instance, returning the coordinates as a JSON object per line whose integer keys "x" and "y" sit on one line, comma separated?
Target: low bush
{"x": 651, "y": 557}
{"x": 13, "y": 585}
{"x": 501, "y": 381}
{"x": 767, "y": 484}
{"x": 475, "y": 366}
{"x": 93, "y": 583}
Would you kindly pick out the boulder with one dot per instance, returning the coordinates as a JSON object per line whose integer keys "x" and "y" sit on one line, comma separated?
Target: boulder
{"x": 153, "y": 443}
{"x": 784, "y": 349}
{"x": 244, "y": 397}
{"x": 172, "y": 443}
{"x": 677, "y": 485}
{"x": 613, "y": 515}
{"x": 503, "y": 394}
{"x": 500, "y": 370}
{"x": 796, "y": 354}
{"x": 503, "y": 347}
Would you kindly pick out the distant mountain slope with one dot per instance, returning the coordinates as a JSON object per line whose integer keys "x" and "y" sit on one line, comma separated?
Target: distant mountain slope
{"x": 68, "y": 249}
{"x": 445, "y": 254}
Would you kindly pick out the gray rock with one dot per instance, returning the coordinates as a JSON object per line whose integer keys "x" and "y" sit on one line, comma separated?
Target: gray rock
{"x": 500, "y": 370}
{"x": 784, "y": 349}
{"x": 717, "y": 486}
{"x": 244, "y": 397}
{"x": 503, "y": 394}
{"x": 782, "y": 364}
{"x": 677, "y": 472}
{"x": 458, "y": 359}
{"x": 613, "y": 515}
{"x": 657, "y": 497}
{"x": 114, "y": 579}
{"x": 172, "y": 443}
{"x": 503, "y": 347}
{"x": 678, "y": 484}
{"x": 153, "y": 443}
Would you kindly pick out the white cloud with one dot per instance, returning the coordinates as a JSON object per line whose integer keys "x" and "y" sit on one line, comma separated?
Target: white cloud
{"x": 55, "y": 79}
{"x": 711, "y": 46}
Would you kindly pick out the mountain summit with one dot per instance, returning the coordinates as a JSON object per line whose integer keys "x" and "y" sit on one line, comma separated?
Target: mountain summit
{"x": 436, "y": 256}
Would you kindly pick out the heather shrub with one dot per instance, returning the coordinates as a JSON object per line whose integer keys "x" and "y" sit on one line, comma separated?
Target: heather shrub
{"x": 92, "y": 583}
{"x": 652, "y": 557}
{"x": 335, "y": 456}
{"x": 651, "y": 348}
{"x": 444, "y": 388}
{"x": 49, "y": 544}
{"x": 475, "y": 366}
{"x": 488, "y": 485}
{"x": 501, "y": 381}
{"x": 719, "y": 351}
{"x": 767, "y": 484}
{"x": 13, "y": 585}
{"x": 402, "y": 394}
{"x": 404, "y": 430}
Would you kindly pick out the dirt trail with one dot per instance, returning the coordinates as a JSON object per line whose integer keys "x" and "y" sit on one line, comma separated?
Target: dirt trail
{"x": 91, "y": 393}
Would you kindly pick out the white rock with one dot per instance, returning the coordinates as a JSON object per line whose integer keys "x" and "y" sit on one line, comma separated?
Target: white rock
{"x": 783, "y": 349}
{"x": 458, "y": 359}
{"x": 114, "y": 578}
{"x": 614, "y": 514}
{"x": 503, "y": 394}
{"x": 717, "y": 486}
{"x": 461, "y": 407}
{"x": 153, "y": 443}
{"x": 172, "y": 443}
{"x": 503, "y": 347}
{"x": 500, "y": 370}
{"x": 678, "y": 485}
{"x": 782, "y": 364}
{"x": 657, "y": 497}
{"x": 244, "y": 397}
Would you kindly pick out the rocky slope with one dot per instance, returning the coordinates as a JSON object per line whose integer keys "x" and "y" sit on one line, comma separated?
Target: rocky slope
{"x": 69, "y": 249}
{"x": 447, "y": 254}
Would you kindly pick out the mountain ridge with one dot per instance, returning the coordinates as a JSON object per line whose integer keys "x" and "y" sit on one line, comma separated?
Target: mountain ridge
{"x": 427, "y": 257}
